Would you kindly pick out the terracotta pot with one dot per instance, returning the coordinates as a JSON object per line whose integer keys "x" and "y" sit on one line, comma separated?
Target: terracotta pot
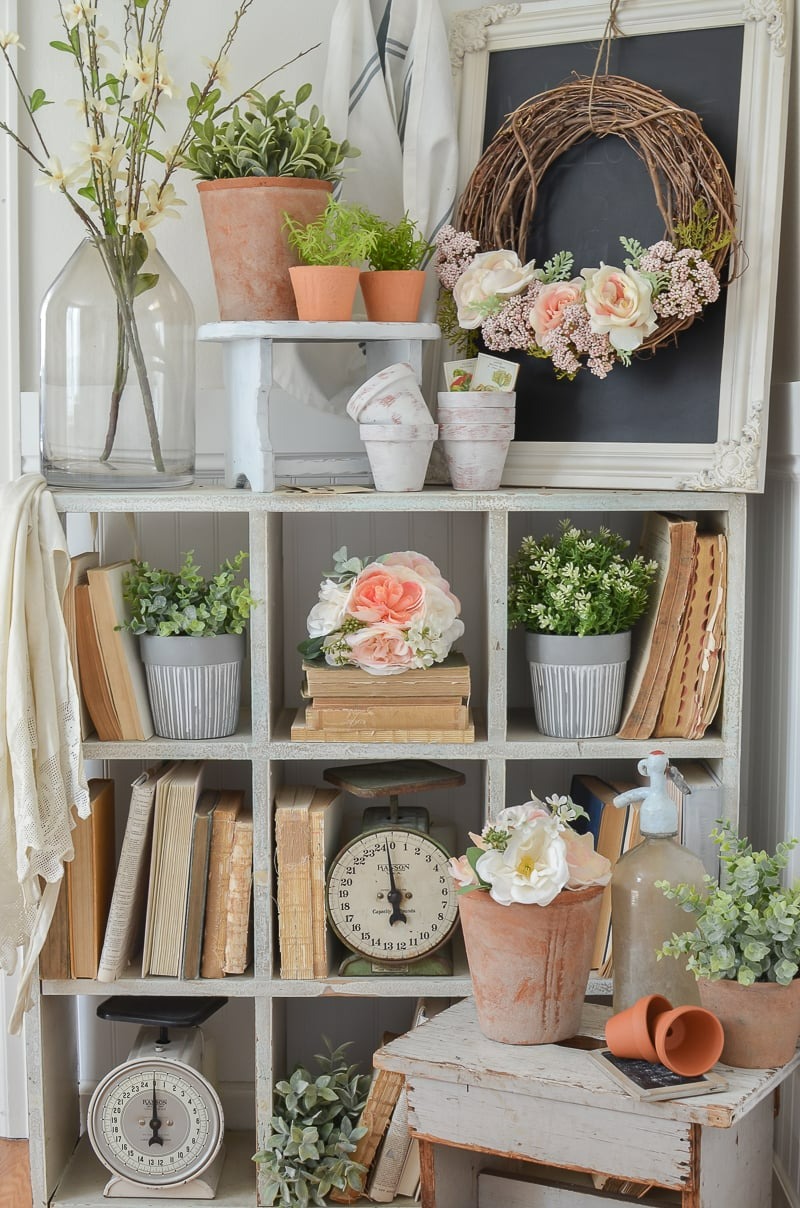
{"x": 393, "y": 296}
{"x": 630, "y": 1033}
{"x": 324, "y": 293}
{"x": 761, "y": 1022}
{"x": 250, "y": 254}
{"x": 398, "y": 454}
{"x": 688, "y": 1040}
{"x": 390, "y": 396}
{"x": 530, "y": 964}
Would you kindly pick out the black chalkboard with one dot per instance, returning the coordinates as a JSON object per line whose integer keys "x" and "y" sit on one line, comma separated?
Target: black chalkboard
{"x": 599, "y": 191}
{"x": 651, "y": 1080}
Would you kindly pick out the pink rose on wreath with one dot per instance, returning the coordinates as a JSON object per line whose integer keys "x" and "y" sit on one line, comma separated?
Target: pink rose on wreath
{"x": 425, "y": 568}
{"x": 380, "y": 649}
{"x": 620, "y": 305}
{"x": 386, "y": 595}
{"x": 547, "y": 312}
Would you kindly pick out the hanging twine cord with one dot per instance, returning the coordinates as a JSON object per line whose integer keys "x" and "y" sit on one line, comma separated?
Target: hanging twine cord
{"x": 499, "y": 201}
{"x": 611, "y": 31}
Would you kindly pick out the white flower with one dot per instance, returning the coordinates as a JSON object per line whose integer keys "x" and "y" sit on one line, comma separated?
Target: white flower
{"x": 532, "y": 869}
{"x": 162, "y": 204}
{"x": 105, "y": 151}
{"x": 58, "y": 178}
{"x": 515, "y": 815}
{"x": 218, "y": 70}
{"x": 327, "y": 616}
{"x": 500, "y": 272}
{"x": 10, "y": 39}
{"x": 144, "y": 68}
{"x": 619, "y": 305}
{"x": 79, "y": 13}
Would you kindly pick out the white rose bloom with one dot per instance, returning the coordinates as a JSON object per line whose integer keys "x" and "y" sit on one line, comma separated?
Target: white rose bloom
{"x": 533, "y": 869}
{"x": 326, "y": 616}
{"x": 489, "y": 273}
{"x": 440, "y": 612}
{"x": 516, "y": 815}
{"x": 619, "y": 305}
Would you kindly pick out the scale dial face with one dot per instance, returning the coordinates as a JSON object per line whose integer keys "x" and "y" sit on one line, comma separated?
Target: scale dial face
{"x": 390, "y": 896}
{"x": 155, "y": 1122}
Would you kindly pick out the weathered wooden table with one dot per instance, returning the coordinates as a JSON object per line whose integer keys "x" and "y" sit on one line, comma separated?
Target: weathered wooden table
{"x": 551, "y": 1105}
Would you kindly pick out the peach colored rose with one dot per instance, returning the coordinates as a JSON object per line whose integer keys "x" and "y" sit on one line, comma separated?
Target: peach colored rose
{"x": 425, "y": 568}
{"x": 586, "y": 866}
{"x": 619, "y": 305}
{"x": 500, "y": 272}
{"x": 462, "y": 871}
{"x": 380, "y": 650}
{"x": 393, "y": 596}
{"x": 548, "y": 309}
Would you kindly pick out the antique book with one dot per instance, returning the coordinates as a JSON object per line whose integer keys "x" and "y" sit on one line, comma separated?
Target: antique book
{"x": 125, "y": 925}
{"x": 386, "y": 1088}
{"x": 238, "y": 932}
{"x": 177, "y": 793}
{"x": 78, "y": 566}
{"x": 448, "y": 678}
{"x": 223, "y": 827}
{"x": 120, "y": 651}
{"x": 339, "y": 713}
{"x": 198, "y": 882}
{"x": 695, "y": 676}
{"x": 597, "y": 798}
{"x": 699, "y": 810}
{"x": 54, "y": 960}
{"x": 294, "y": 880}
{"x": 325, "y": 824}
{"x": 302, "y": 732}
{"x": 652, "y": 1081}
{"x": 668, "y": 540}
{"x": 388, "y": 1166}
{"x": 95, "y": 686}
{"x": 90, "y": 880}
{"x": 408, "y": 1183}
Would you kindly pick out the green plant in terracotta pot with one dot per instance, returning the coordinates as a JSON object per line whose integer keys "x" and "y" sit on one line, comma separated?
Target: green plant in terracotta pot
{"x": 530, "y": 891}
{"x": 577, "y": 596}
{"x": 191, "y": 634}
{"x": 745, "y": 949}
{"x": 331, "y": 247}
{"x": 263, "y": 159}
{"x": 392, "y": 288}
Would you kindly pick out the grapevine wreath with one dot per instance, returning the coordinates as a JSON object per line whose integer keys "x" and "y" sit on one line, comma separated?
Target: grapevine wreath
{"x": 600, "y": 317}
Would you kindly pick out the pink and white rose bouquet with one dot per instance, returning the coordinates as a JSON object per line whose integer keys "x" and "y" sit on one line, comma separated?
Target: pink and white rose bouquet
{"x": 383, "y": 615}
{"x": 593, "y": 321}
{"x": 529, "y": 853}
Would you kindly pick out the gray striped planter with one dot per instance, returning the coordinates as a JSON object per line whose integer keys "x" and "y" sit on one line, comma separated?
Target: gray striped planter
{"x": 577, "y": 683}
{"x": 194, "y": 684}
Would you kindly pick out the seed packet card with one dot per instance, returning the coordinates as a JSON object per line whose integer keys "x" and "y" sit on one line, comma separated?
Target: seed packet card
{"x": 458, "y": 374}
{"x": 493, "y": 373}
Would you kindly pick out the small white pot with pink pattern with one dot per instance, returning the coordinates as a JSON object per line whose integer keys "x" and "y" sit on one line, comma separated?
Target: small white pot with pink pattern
{"x": 398, "y": 454}
{"x": 464, "y": 400}
{"x": 476, "y": 454}
{"x": 391, "y": 396}
{"x": 475, "y": 415}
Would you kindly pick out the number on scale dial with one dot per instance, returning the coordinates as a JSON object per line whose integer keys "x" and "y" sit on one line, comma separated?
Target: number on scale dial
{"x": 155, "y": 1122}
{"x": 390, "y": 895}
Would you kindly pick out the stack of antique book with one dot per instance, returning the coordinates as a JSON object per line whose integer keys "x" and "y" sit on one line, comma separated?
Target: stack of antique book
{"x": 347, "y": 704}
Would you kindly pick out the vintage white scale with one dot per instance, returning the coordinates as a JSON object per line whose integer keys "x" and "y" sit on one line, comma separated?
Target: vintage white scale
{"x": 156, "y": 1121}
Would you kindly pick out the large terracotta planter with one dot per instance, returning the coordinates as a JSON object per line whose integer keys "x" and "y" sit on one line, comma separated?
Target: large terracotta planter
{"x": 761, "y": 1022}
{"x": 392, "y": 296}
{"x": 324, "y": 293}
{"x": 250, "y": 254}
{"x": 530, "y": 964}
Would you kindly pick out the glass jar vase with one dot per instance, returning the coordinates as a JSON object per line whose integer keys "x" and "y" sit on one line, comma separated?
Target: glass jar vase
{"x": 117, "y": 388}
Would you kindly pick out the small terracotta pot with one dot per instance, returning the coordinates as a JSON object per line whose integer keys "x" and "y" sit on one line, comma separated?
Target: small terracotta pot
{"x": 398, "y": 454}
{"x": 324, "y": 293}
{"x": 630, "y": 1033}
{"x": 391, "y": 396}
{"x": 392, "y": 296}
{"x": 250, "y": 254}
{"x": 688, "y": 1040}
{"x": 761, "y": 1022}
{"x": 464, "y": 399}
{"x": 530, "y": 964}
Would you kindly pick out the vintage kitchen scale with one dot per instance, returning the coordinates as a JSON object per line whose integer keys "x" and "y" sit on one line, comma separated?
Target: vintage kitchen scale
{"x": 389, "y": 895}
{"x": 156, "y": 1121}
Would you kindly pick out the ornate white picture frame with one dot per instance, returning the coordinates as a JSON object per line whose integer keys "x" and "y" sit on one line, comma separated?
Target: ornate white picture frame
{"x": 736, "y": 460}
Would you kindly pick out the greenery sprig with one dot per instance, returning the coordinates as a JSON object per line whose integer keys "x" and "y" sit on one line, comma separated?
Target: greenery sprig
{"x": 397, "y": 246}
{"x": 170, "y": 604}
{"x": 338, "y": 236}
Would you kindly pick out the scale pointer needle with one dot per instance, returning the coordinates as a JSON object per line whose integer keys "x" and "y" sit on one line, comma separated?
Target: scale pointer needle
{"x": 155, "y": 1123}
{"x": 394, "y": 897}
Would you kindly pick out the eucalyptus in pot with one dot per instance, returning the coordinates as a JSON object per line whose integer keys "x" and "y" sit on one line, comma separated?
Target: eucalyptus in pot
{"x": 577, "y": 597}
{"x": 331, "y": 248}
{"x": 265, "y": 159}
{"x": 745, "y": 949}
{"x": 192, "y": 641}
{"x": 314, "y": 1132}
{"x": 392, "y": 287}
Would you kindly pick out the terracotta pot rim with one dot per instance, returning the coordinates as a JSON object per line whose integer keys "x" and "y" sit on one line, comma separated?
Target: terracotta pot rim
{"x": 323, "y": 268}
{"x": 764, "y": 987}
{"x": 392, "y": 272}
{"x": 565, "y": 898}
{"x": 263, "y": 182}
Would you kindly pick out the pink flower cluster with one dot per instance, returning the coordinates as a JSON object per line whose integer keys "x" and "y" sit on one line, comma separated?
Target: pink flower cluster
{"x": 386, "y": 616}
{"x": 455, "y": 251}
{"x": 573, "y": 338}
{"x": 692, "y": 282}
{"x": 510, "y": 328}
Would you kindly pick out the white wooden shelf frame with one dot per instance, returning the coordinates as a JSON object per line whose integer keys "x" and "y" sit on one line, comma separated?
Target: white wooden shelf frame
{"x": 263, "y": 742}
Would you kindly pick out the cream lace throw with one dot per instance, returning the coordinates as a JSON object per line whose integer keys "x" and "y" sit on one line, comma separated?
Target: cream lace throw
{"x": 41, "y": 767}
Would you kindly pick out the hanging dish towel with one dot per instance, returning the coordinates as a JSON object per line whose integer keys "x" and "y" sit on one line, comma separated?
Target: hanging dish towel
{"x": 41, "y": 766}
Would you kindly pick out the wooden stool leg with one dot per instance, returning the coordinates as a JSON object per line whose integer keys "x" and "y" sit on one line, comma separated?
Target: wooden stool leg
{"x": 427, "y": 1174}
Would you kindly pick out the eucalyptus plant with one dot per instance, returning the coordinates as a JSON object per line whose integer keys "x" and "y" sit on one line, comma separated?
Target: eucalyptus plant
{"x": 748, "y": 927}
{"x": 267, "y": 137}
{"x": 341, "y": 235}
{"x": 579, "y": 583}
{"x": 314, "y": 1133}
{"x": 184, "y": 604}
